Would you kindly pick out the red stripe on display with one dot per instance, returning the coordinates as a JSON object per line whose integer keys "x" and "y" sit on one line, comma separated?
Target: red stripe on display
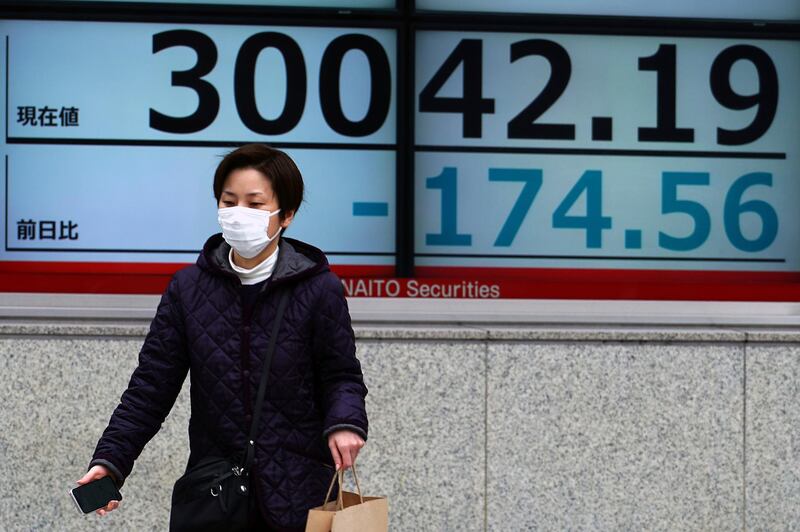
{"x": 117, "y": 277}
{"x": 547, "y": 283}
{"x": 439, "y": 281}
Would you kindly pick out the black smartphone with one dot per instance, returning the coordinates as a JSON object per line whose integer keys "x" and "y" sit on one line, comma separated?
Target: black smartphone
{"x": 95, "y": 494}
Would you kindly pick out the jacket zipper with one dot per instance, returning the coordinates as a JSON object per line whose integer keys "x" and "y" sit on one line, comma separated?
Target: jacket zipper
{"x": 245, "y": 358}
{"x": 245, "y": 367}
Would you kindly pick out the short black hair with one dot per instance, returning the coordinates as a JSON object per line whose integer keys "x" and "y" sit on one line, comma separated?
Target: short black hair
{"x": 279, "y": 168}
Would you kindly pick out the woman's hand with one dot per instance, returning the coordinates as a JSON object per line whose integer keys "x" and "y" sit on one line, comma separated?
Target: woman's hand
{"x": 344, "y": 446}
{"x": 96, "y": 473}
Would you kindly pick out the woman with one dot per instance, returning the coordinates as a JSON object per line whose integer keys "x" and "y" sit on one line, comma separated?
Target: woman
{"x": 214, "y": 319}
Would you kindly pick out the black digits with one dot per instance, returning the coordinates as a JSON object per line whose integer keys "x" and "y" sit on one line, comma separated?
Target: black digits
{"x": 524, "y": 126}
{"x": 330, "y": 87}
{"x": 208, "y": 98}
{"x": 472, "y": 105}
{"x": 244, "y": 88}
{"x": 766, "y": 98}
{"x": 663, "y": 62}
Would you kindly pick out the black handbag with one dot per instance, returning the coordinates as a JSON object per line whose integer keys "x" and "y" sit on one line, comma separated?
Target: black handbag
{"x": 213, "y": 495}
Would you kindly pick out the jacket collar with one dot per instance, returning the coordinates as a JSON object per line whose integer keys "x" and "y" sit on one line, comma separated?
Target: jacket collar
{"x": 296, "y": 260}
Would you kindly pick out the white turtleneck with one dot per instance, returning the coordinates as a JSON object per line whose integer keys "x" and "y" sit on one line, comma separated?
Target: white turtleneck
{"x": 257, "y": 274}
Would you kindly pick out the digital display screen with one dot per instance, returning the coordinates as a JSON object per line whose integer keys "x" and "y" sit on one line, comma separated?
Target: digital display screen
{"x": 569, "y": 152}
{"x": 114, "y": 131}
{"x": 543, "y": 165}
{"x": 785, "y": 10}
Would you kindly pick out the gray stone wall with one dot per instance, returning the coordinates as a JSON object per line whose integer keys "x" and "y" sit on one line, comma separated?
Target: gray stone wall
{"x": 472, "y": 428}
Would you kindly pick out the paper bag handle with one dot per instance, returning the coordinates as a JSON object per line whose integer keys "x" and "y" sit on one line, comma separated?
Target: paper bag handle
{"x": 340, "y": 475}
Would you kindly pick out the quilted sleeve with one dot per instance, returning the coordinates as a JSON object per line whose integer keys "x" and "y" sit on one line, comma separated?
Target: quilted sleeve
{"x": 152, "y": 390}
{"x": 339, "y": 371}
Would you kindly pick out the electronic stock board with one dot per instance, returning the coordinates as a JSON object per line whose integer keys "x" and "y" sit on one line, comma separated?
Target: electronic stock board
{"x": 543, "y": 164}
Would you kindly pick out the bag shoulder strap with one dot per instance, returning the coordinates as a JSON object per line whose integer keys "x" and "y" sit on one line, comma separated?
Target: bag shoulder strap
{"x": 262, "y": 386}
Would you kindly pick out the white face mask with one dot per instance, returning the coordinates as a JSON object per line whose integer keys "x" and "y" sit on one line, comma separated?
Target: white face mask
{"x": 245, "y": 229}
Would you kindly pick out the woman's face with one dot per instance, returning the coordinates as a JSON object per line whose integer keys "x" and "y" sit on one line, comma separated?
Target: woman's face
{"x": 247, "y": 187}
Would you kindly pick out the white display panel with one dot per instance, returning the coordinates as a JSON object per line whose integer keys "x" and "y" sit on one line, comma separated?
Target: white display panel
{"x": 145, "y": 204}
{"x": 113, "y": 132}
{"x": 234, "y": 79}
{"x": 580, "y": 151}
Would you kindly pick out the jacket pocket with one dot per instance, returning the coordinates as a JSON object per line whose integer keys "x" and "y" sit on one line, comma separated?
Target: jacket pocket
{"x": 308, "y": 456}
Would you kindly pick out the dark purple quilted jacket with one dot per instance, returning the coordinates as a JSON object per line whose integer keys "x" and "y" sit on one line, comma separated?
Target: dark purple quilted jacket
{"x": 315, "y": 382}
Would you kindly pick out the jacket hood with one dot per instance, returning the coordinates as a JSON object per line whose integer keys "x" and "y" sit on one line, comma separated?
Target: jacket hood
{"x": 296, "y": 259}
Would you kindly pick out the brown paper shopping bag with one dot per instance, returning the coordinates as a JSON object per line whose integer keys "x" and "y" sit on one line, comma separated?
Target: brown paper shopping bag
{"x": 350, "y": 512}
